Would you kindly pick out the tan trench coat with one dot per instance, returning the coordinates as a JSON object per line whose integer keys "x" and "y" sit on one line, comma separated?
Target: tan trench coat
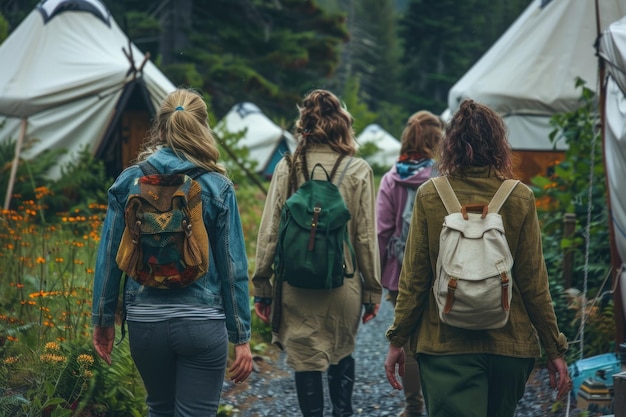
{"x": 318, "y": 327}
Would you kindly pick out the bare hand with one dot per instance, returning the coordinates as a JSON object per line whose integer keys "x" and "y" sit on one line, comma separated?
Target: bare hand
{"x": 242, "y": 367}
{"x": 395, "y": 356}
{"x": 562, "y": 383}
{"x": 263, "y": 311}
{"x": 370, "y": 314}
{"x": 103, "y": 338}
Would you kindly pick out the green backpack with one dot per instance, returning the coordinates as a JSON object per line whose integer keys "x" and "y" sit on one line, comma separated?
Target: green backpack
{"x": 313, "y": 233}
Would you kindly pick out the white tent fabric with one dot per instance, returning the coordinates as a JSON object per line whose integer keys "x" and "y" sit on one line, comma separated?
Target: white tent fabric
{"x": 266, "y": 142}
{"x": 389, "y": 146}
{"x": 63, "y": 71}
{"x": 529, "y": 74}
{"x": 613, "y": 51}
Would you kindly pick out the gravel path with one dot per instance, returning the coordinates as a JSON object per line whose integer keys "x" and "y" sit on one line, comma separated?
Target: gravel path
{"x": 270, "y": 390}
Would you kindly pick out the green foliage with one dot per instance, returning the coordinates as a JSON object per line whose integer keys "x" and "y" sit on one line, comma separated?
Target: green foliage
{"x": 358, "y": 109}
{"x": 4, "y": 28}
{"x": 235, "y": 157}
{"x": 48, "y": 381}
{"x": 578, "y": 186}
{"x": 81, "y": 182}
{"x": 393, "y": 117}
{"x": 441, "y": 42}
{"x": 375, "y": 51}
{"x": 263, "y": 52}
{"x": 117, "y": 390}
{"x": 30, "y": 173}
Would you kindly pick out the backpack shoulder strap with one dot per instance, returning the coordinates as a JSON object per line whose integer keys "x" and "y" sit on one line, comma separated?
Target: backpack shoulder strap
{"x": 343, "y": 173}
{"x": 329, "y": 177}
{"x": 446, "y": 193}
{"x": 147, "y": 168}
{"x": 336, "y": 166}
{"x": 501, "y": 195}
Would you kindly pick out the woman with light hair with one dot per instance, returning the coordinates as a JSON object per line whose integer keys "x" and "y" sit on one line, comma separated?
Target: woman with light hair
{"x": 179, "y": 337}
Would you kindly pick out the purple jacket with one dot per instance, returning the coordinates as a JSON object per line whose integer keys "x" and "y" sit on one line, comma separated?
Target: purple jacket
{"x": 390, "y": 202}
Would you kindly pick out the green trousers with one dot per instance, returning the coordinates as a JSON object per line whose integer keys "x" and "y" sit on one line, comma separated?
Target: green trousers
{"x": 473, "y": 385}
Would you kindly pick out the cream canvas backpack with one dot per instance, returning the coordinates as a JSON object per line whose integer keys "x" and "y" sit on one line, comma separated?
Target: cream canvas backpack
{"x": 473, "y": 282}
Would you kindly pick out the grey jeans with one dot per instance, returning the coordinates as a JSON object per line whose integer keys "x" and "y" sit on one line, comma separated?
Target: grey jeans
{"x": 182, "y": 364}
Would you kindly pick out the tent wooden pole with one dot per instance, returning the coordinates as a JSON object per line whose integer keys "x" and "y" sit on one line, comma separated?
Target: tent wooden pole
{"x": 616, "y": 261}
{"x": 16, "y": 160}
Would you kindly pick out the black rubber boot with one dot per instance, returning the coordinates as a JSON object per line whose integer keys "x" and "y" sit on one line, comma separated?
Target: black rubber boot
{"x": 340, "y": 385}
{"x": 310, "y": 393}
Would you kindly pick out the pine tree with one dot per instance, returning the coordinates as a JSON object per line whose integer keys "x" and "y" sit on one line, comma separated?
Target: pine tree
{"x": 443, "y": 39}
{"x": 270, "y": 53}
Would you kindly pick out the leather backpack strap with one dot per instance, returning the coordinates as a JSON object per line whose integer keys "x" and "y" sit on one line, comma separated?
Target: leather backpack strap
{"x": 446, "y": 193}
{"x": 336, "y": 166}
{"x": 501, "y": 195}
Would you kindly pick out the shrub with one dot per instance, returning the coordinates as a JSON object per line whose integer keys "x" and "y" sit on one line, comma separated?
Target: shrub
{"x": 577, "y": 186}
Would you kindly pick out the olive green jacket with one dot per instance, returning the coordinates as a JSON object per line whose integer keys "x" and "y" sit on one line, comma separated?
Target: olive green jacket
{"x": 532, "y": 319}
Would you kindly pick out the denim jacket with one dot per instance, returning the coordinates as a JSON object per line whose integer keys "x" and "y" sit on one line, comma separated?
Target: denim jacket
{"x": 224, "y": 286}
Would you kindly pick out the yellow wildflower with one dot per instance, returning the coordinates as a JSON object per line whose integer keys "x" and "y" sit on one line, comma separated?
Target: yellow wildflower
{"x": 52, "y": 346}
{"x": 85, "y": 360}
{"x": 51, "y": 358}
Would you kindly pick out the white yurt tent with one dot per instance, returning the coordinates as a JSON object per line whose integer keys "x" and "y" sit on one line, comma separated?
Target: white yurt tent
{"x": 529, "y": 74}
{"x": 612, "y": 50}
{"x": 265, "y": 141}
{"x": 388, "y": 146}
{"x": 70, "y": 78}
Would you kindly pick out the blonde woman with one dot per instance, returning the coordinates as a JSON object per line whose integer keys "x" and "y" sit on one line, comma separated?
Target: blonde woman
{"x": 179, "y": 337}
{"x": 317, "y": 328}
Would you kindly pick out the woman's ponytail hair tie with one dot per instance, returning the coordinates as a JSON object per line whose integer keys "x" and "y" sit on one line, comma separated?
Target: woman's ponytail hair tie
{"x": 179, "y": 108}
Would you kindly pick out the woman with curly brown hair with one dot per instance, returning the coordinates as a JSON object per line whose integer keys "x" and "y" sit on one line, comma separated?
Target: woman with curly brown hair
{"x": 317, "y": 328}
{"x": 476, "y": 373}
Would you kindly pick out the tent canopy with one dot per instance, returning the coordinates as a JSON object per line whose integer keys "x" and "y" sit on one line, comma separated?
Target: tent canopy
{"x": 613, "y": 51}
{"x": 529, "y": 74}
{"x": 266, "y": 142}
{"x": 388, "y": 146}
{"x": 64, "y": 70}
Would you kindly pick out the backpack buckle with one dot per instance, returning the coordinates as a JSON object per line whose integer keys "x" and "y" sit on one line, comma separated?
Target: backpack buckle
{"x": 316, "y": 214}
{"x": 481, "y": 209}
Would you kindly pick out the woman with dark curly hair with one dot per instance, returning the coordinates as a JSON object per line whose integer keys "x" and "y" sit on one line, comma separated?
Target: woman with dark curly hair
{"x": 476, "y": 373}
{"x": 317, "y": 328}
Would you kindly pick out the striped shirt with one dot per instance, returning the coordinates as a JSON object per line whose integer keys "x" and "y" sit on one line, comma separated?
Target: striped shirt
{"x": 161, "y": 312}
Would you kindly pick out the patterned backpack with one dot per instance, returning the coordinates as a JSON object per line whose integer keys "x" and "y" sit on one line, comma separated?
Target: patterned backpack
{"x": 165, "y": 243}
